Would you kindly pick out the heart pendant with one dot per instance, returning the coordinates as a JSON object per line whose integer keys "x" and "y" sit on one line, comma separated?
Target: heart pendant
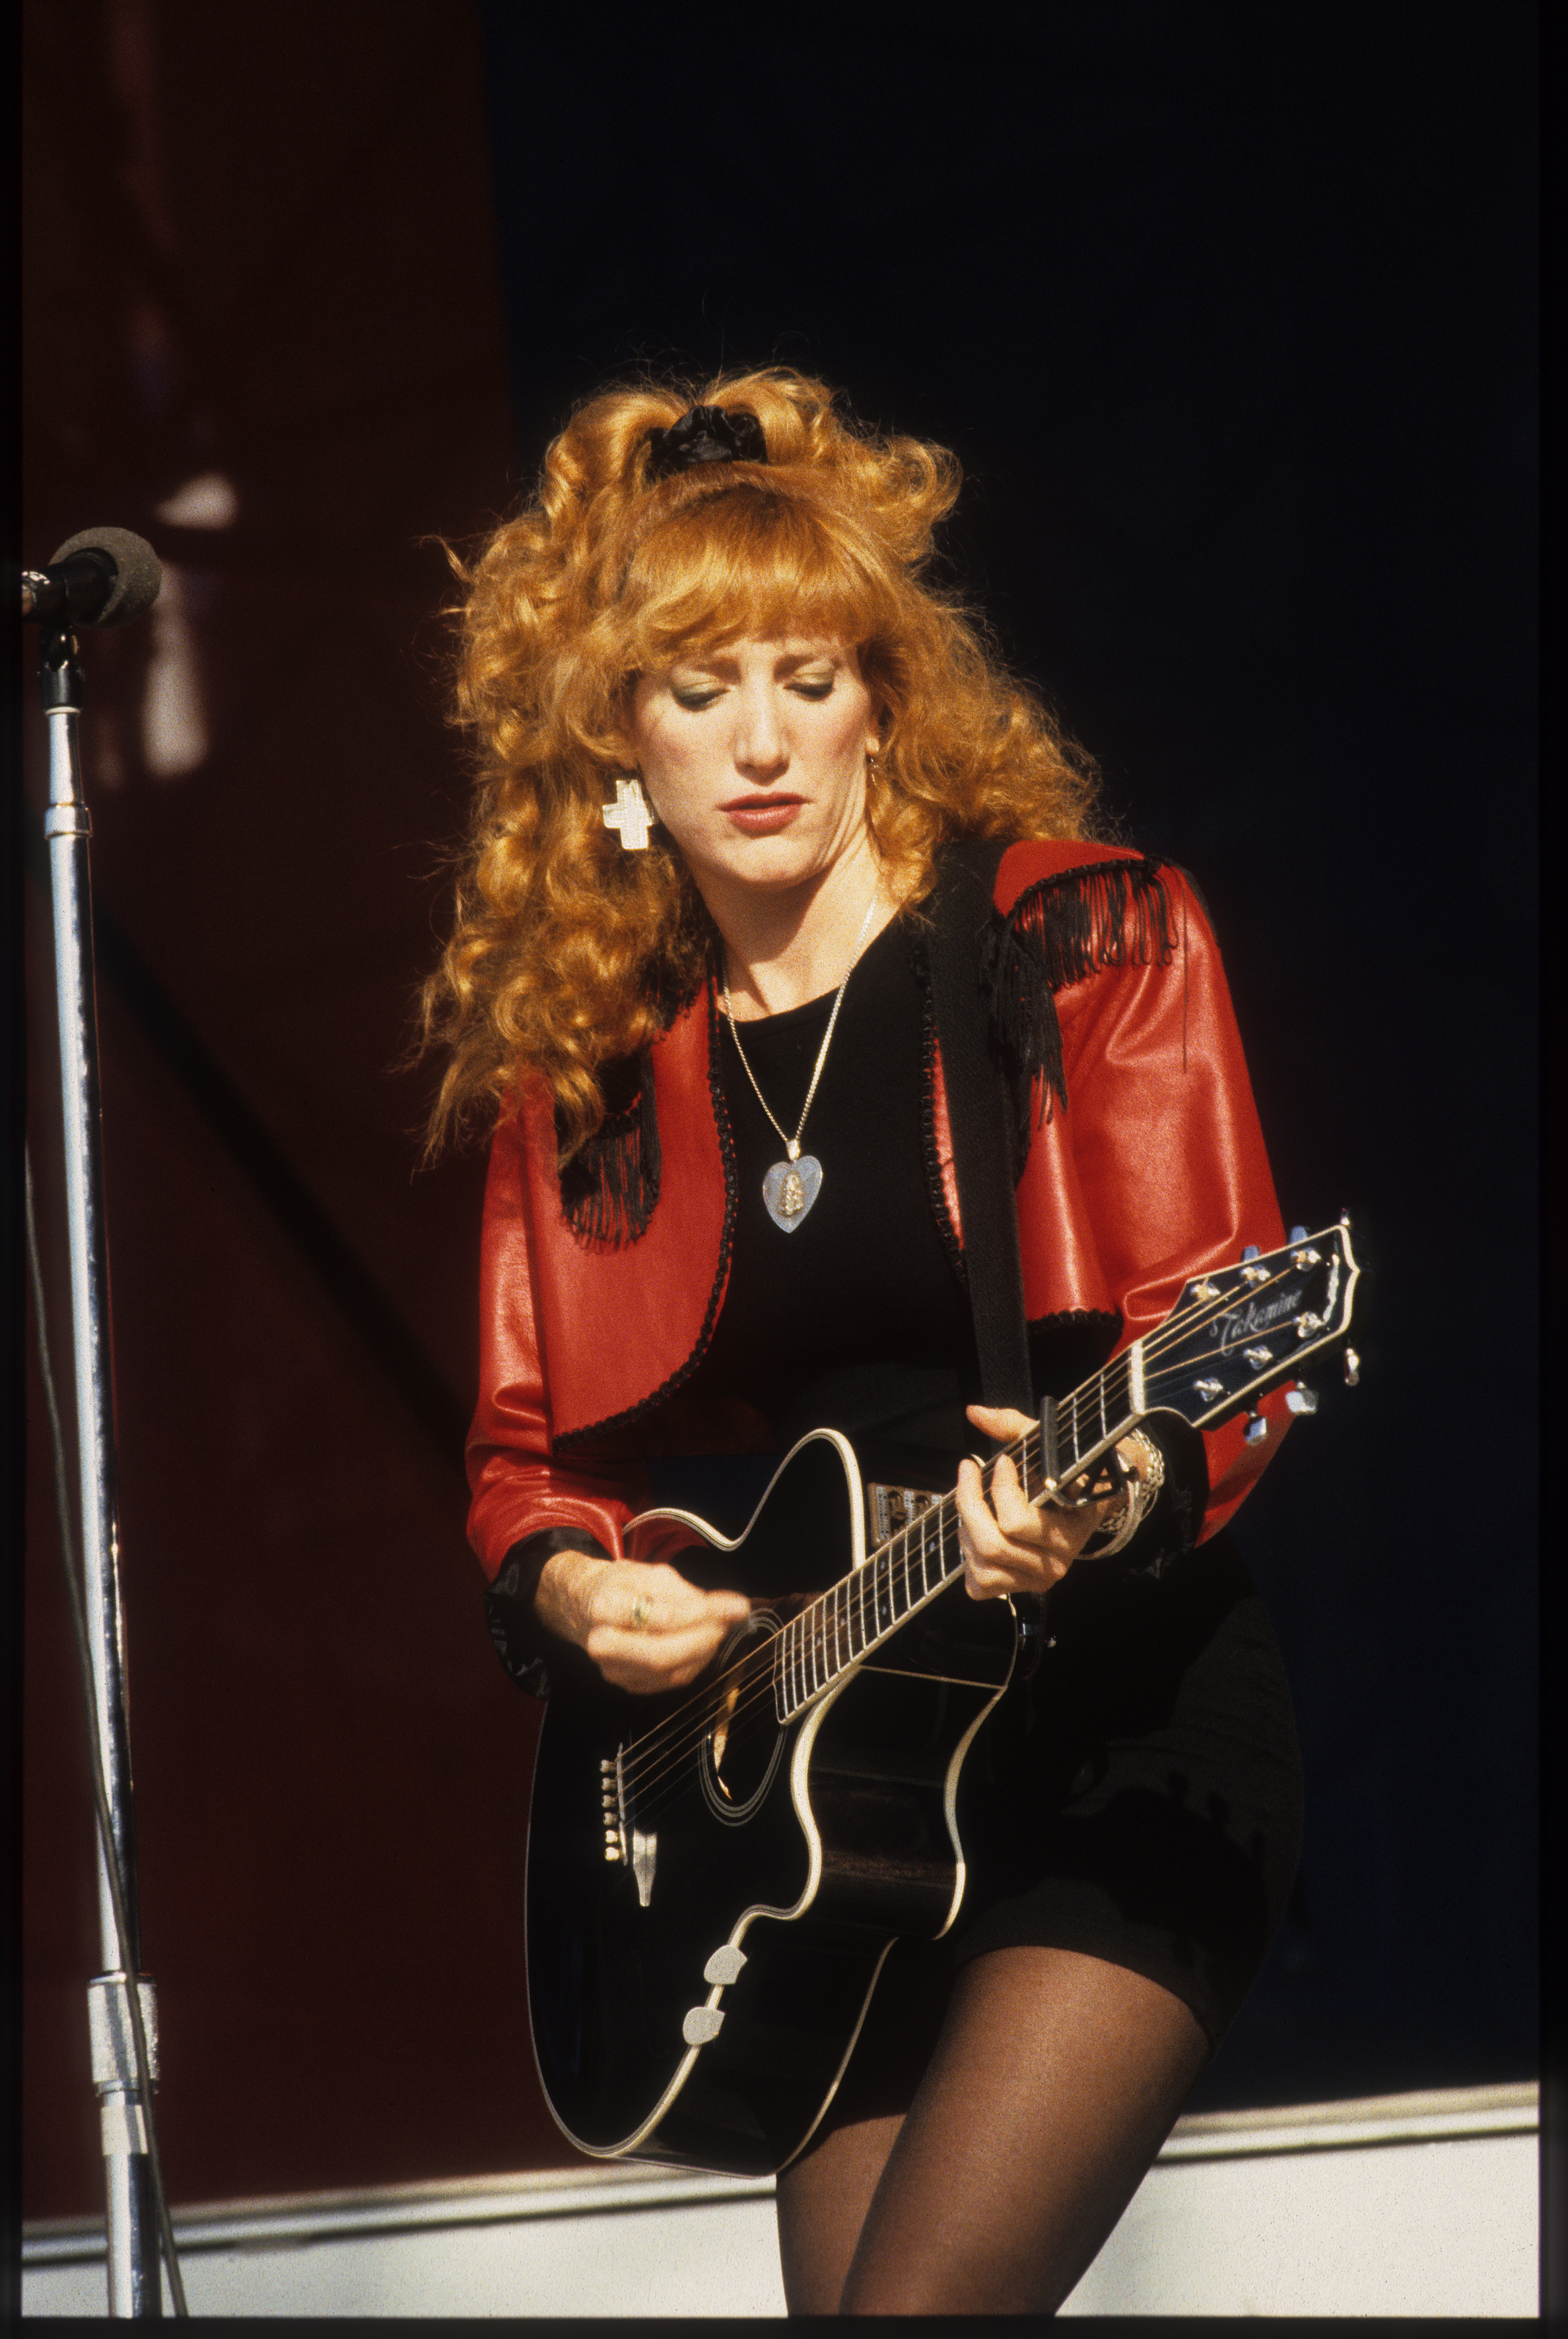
{"x": 790, "y": 1189}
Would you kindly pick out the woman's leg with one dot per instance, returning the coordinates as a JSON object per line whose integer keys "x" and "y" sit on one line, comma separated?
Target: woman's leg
{"x": 822, "y": 2201}
{"x": 823, "y": 2197}
{"x": 1054, "y": 2082}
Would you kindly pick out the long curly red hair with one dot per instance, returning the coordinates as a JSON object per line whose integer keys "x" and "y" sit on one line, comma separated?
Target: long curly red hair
{"x": 566, "y": 953}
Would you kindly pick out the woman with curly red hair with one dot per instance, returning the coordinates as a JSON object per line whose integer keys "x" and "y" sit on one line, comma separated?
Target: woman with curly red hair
{"x": 758, "y": 816}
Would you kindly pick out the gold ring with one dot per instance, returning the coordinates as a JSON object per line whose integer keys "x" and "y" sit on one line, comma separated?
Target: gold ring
{"x": 641, "y": 1612}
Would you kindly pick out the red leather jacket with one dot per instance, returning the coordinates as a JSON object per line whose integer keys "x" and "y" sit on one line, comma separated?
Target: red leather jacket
{"x": 1153, "y": 1170}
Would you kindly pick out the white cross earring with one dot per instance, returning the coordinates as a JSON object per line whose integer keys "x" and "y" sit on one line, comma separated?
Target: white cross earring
{"x": 631, "y": 812}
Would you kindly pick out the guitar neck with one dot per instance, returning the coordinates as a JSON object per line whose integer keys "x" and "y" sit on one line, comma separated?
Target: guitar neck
{"x": 845, "y": 1623}
{"x": 1234, "y": 1333}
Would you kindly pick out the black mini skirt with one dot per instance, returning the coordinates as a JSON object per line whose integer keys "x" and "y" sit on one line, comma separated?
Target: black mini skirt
{"x": 1138, "y": 1800}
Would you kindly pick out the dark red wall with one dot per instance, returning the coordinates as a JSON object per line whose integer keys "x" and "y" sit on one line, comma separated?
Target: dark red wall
{"x": 259, "y": 245}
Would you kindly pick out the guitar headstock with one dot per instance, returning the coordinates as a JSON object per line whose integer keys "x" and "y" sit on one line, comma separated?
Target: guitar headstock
{"x": 1237, "y": 1331}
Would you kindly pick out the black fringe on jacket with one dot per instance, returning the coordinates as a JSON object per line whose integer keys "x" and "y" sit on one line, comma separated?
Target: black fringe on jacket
{"x": 1056, "y": 933}
{"x": 610, "y": 1185}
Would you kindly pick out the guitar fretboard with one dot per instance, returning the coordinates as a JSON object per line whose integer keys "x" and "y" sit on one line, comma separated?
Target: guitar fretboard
{"x": 846, "y": 1623}
{"x": 1234, "y": 1334}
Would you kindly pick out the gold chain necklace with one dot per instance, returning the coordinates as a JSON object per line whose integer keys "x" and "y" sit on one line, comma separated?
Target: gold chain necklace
{"x": 793, "y": 1185}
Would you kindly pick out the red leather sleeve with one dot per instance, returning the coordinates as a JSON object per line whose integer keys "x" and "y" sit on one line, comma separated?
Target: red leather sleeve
{"x": 1157, "y": 1168}
{"x": 517, "y": 1490}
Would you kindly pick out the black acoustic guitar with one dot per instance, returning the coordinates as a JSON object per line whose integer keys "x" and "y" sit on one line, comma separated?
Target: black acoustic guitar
{"x": 715, "y": 1876}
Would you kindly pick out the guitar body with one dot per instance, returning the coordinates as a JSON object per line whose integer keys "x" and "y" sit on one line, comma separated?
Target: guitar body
{"x": 714, "y": 1877}
{"x": 694, "y": 2000}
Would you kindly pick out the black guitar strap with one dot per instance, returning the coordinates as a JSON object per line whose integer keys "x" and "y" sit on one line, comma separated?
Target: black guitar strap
{"x": 979, "y": 1111}
{"x": 979, "y": 1108}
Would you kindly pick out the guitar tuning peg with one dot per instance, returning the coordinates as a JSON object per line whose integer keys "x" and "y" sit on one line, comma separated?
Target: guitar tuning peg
{"x": 1352, "y": 1369}
{"x": 1250, "y": 1252}
{"x": 1298, "y": 1233}
{"x": 1301, "y": 1399}
{"x": 1256, "y": 1428}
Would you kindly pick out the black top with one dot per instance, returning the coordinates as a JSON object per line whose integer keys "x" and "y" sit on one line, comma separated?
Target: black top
{"x": 855, "y": 1319}
{"x": 858, "y": 1319}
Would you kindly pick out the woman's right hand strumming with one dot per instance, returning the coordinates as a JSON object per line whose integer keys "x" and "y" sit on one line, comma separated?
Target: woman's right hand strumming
{"x": 645, "y": 1627}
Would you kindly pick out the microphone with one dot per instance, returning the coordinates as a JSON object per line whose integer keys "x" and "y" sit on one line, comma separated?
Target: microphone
{"x": 103, "y": 577}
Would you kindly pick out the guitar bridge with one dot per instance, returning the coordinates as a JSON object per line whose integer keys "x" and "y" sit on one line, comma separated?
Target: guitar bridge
{"x": 613, "y": 1792}
{"x": 624, "y": 1843}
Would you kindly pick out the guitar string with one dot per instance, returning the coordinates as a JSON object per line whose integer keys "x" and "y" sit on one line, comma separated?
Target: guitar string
{"x": 768, "y": 1655}
{"x": 764, "y": 1663}
{"x": 816, "y": 1637}
{"x": 1179, "y": 1327}
{"x": 815, "y": 1659}
{"x": 815, "y": 1656}
{"x": 874, "y": 1583}
{"x": 818, "y": 1655}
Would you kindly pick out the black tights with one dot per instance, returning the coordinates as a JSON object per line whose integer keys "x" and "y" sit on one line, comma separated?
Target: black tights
{"x": 987, "y": 2183}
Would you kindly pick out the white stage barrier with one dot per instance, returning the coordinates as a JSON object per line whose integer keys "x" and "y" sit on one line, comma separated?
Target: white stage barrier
{"x": 1401, "y": 2205}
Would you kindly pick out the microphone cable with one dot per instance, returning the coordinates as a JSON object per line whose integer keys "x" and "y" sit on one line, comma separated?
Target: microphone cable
{"x": 100, "y": 1789}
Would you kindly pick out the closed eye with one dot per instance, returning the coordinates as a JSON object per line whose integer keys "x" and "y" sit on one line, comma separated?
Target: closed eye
{"x": 695, "y": 698}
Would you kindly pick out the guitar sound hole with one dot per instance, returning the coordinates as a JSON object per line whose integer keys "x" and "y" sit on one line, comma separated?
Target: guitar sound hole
{"x": 743, "y": 1743}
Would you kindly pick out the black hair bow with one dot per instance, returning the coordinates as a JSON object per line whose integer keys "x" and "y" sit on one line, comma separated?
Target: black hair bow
{"x": 706, "y": 434}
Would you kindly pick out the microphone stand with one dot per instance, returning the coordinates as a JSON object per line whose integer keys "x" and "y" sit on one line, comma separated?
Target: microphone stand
{"x": 134, "y": 2286}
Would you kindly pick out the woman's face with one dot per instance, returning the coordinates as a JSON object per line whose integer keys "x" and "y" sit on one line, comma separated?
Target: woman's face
{"x": 754, "y": 757}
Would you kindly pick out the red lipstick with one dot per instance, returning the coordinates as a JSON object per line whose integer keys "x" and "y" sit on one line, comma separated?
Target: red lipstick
{"x": 761, "y": 815}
